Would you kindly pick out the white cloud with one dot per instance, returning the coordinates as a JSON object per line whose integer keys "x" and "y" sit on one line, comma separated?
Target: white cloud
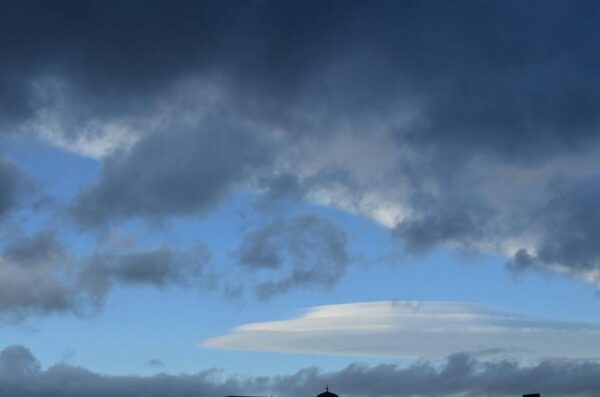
{"x": 407, "y": 329}
{"x": 97, "y": 140}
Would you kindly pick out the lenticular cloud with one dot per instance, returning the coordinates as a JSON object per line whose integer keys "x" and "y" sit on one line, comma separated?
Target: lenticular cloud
{"x": 410, "y": 329}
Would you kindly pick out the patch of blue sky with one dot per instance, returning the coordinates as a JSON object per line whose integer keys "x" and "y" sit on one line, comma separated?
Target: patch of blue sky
{"x": 141, "y": 323}
{"x": 60, "y": 174}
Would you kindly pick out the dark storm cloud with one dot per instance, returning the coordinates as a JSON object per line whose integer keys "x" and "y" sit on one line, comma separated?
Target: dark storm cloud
{"x": 109, "y": 51}
{"x": 115, "y": 59}
{"x": 460, "y": 89}
{"x": 444, "y": 221}
{"x": 568, "y": 232}
{"x": 301, "y": 252}
{"x": 507, "y": 78}
{"x": 21, "y": 375}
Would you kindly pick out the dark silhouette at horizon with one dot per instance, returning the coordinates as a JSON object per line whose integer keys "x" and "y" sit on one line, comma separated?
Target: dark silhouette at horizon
{"x": 327, "y": 393}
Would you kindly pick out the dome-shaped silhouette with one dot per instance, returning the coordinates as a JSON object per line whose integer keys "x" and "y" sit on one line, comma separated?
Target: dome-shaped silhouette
{"x": 327, "y": 393}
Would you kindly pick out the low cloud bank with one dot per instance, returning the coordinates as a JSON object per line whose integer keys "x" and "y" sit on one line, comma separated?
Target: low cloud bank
{"x": 460, "y": 374}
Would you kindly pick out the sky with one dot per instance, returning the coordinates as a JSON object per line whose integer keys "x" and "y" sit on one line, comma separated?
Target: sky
{"x": 211, "y": 198}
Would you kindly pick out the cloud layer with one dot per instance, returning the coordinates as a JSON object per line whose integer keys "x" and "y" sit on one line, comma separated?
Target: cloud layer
{"x": 459, "y": 374}
{"x": 413, "y": 330}
{"x": 472, "y": 126}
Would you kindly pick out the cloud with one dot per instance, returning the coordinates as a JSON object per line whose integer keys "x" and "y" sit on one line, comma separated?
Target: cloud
{"x": 407, "y": 330}
{"x": 567, "y": 241}
{"x": 18, "y": 359}
{"x": 174, "y": 173}
{"x": 458, "y": 374}
{"x": 304, "y": 251}
{"x": 38, "y": 275}
{"x": 35, "y": 249}
{"x": 35, "y": 276}
{"x": 160, "y": 268}
{"x": 155, "y": 362}
{"x": 525, "y": 73}
{"x": 454, "y": 125}
{"x": 459, "y": 220}
{"x": 10, "y": 181}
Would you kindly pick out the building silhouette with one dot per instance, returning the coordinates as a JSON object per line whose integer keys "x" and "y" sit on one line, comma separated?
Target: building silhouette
{"x": 327, "y": 393}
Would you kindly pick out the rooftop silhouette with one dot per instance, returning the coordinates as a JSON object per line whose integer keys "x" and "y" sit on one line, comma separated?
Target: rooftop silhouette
{"x": 327, "y": 393}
